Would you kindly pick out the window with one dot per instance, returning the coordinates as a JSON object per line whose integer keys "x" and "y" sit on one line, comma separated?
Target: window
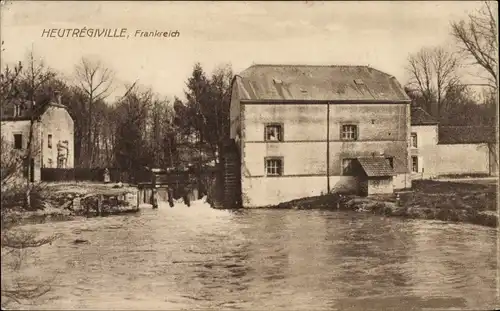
{"x": 349, "y": 132}
{"x": 49, "y": 141}
{"x": 390, "y": 161}
{"x": 274, "y": 167}
{"x": 19, "y": 109}
{"x": 18, "y": 141}
{"x": 413, "y": 140}
{"x": 274, "y": 132}
{"x": 348, "y": 167}
{"x": 414, "y": 164}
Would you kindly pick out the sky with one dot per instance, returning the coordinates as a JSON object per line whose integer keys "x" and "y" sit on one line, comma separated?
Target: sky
{"x": 379, "y": 34}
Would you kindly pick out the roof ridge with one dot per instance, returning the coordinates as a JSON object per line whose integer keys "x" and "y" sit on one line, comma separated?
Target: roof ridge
{"x": 308, "y": 65}
{"x": 332, "y": 82}
{"x": 367, "y": 67}
{"x": 467, "y": 125}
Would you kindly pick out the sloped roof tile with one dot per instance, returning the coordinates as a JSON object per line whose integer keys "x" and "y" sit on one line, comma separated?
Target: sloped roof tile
{"x": 466, "y": 134}
{"x": 313, "y": 83}
{"x": 421, "y": 117}
{"x": 376, "y": 166}
{"x": 37, "y": 111}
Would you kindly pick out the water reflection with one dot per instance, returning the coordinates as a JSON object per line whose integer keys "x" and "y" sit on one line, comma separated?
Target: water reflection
{"x": 367, "y": 257}
{"x": 267, "y": 259}
{"x": 454, "y": 260}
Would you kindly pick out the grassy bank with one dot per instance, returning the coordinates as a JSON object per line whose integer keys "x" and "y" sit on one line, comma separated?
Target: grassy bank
{"x": 436, "y": 200}
{"x": 56, "y": 203}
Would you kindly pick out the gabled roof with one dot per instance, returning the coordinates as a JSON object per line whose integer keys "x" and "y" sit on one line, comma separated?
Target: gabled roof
{"x": 421, "y": 117}
{"x": 466, "y": 134}
{"x": 318, "y": 83}
{"x": 376, "y": 166}
{"x": 38, "y": 112}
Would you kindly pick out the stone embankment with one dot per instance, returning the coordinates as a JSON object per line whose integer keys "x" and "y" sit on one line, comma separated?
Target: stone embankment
{"x": 434, "y": 200}
{"x": 66, "y": 202}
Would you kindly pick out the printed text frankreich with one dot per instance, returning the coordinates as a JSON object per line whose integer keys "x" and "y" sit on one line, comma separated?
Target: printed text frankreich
{"x": 106, "y": 33}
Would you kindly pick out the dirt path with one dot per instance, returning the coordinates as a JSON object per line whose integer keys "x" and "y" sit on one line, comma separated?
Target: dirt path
{"x": 482, "y": 181}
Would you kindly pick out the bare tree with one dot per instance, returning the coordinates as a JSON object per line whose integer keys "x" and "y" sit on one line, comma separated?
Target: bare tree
{"x": 95, "y": 81}
{"x": 477, "y": 39}
{"x": 112, "y": 119}
{"x": 35, "y": 77}
{"x": 23, "y": 84}
{"x": 161, "y": 132}
{"x": 9, "y": 80}
{"x": 433, "y": 72}
{"x": 131, "y": 132}
{"x": 221, "y": 91}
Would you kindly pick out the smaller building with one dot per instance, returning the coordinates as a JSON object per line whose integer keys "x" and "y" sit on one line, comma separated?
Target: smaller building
{"x": 437, "y": 150}
{"x": 52, "y": 131}
{"x": 467, "y": 150}
{"x": 377, "y": 175}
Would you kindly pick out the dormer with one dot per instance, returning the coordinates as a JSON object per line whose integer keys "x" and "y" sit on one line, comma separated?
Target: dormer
{"x": 20, "y": 109}
{"x": 14, "y": 109}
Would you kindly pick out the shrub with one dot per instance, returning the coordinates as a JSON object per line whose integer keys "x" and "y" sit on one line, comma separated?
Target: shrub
{"x": 14, "y": 197}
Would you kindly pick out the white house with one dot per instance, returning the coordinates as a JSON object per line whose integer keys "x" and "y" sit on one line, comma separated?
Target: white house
{"x": 438, "y": 150}
{"x": 53, "y": 134}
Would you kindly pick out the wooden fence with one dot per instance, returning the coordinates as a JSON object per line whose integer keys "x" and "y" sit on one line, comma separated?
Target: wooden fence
{"x": 117, "y": 175}
{"x": 83, "y": 174}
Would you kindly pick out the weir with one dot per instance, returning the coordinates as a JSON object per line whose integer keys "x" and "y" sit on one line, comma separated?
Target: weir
{"x": 220, "y": 183}
{"x": 168, "y": 185}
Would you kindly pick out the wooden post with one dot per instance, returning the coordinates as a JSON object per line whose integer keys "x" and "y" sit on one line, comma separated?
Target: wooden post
{"x": 328, "y": 147}
{"x": 153, "y": 179}
{"x": 153, "y": 190}
{"x": 138, "y": 194}
{"x": 76, "y": 203}
{"x": 87, "y": 209}
{"x": 99, "y": 205}
{"x": 154, "y": 198}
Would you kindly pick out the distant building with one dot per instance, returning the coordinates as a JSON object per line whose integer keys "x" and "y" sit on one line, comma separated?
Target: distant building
{"x": 438, "y": 150}
{"x": 53, "y": 134}
{"x": 302, "y": 131}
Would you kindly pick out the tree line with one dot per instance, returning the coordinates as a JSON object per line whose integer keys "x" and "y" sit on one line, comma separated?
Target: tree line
{"x": 436, "y": 73}
{"x": 141, "y": 128}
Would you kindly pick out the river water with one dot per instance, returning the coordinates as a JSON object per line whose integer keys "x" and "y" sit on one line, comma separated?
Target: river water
{"x": 200, "y": 258}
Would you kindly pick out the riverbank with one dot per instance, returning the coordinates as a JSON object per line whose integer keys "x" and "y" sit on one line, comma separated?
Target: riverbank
{"x": 465, "y": 202}
{"x": 432, "y": 200}
{"x": 69, "y": 201}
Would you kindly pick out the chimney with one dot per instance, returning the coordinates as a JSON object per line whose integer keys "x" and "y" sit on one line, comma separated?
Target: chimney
{"x": 57, "y": 96}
